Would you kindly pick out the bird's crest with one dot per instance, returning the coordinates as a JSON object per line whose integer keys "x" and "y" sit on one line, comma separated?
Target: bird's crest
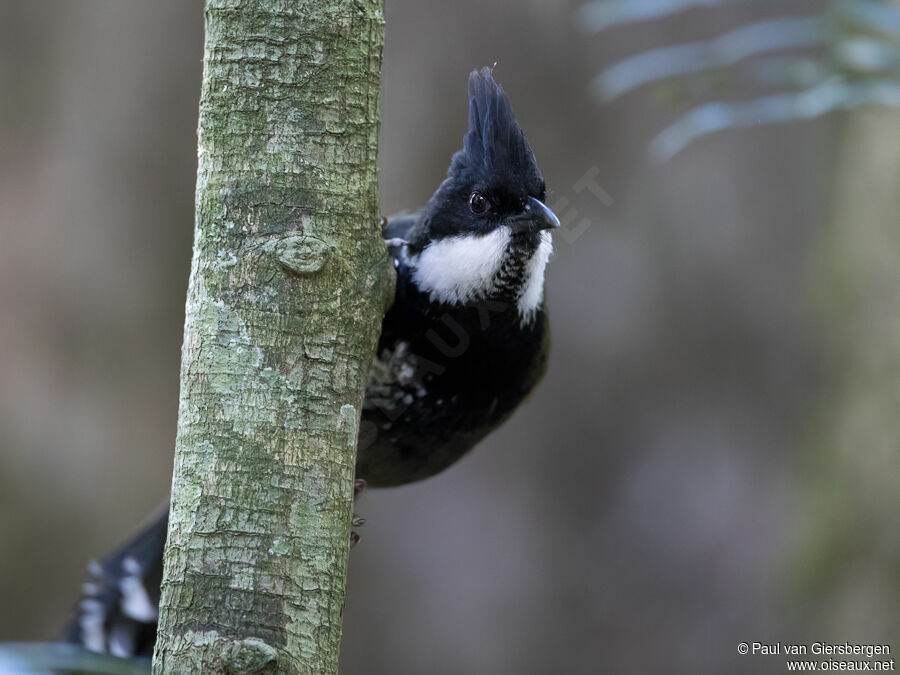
{"x": 495, "y": 159}
{"x": 494, "y": 145}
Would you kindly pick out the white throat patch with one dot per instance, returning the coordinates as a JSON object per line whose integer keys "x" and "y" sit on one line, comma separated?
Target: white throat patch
{"x": 533, "y": 294}
{"x": 456, "y": 270}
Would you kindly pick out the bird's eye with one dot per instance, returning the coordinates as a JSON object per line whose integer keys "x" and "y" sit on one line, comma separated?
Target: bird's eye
{"x": 478, "y": 203}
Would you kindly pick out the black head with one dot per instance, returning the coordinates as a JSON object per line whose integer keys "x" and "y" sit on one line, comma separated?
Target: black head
{"x": 493, "y": 181}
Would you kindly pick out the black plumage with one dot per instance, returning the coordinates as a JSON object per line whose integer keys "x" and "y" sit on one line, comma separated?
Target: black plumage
{"x": 466, "y": 367}
{"x": 495, "y": 160}
{"x": 464, "y": 342}
{"x": 452, "y": 371}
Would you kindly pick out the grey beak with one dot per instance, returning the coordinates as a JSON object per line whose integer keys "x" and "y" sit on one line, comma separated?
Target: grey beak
{"x": 533, "y": 218}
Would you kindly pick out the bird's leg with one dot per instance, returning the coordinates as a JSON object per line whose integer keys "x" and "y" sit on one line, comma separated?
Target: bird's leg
{"x": 357, "y": 521}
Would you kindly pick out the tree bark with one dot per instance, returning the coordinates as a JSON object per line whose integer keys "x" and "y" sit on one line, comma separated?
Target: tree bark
{"x": 287, "y": 289}
{"x": 847, "y": 556}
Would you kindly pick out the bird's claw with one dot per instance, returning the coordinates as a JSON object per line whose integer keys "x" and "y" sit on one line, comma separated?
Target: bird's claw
{"x": 357, "y": 521}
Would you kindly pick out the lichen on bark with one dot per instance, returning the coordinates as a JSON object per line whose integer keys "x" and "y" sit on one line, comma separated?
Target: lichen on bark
{"x": 282, "y": 318}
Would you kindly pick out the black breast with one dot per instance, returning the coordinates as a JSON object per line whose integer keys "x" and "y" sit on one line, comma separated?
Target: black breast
{"x": 445, "y": 376}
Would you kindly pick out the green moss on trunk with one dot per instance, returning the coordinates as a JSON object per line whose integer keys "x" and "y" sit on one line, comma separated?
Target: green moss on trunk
{"x": 282, "y": 318}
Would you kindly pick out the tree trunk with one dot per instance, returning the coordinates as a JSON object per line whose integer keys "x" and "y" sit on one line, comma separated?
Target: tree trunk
{"x": 850, "y": 555}
{"x": 285, "y": 300}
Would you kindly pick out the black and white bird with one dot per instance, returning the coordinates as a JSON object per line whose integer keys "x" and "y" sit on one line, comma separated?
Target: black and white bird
{"x": 464, "y": 342}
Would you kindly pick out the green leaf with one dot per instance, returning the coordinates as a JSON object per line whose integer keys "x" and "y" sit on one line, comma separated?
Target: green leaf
{"x": 726, "y": 50}
{"x": 780, "y": 108}
{"x": 29, "y": 658}
{"x": 871, "y": 15}
{"x": 599, "y": 15}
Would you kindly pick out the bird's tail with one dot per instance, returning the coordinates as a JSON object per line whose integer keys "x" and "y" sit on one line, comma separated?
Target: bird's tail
{"x": 119, "y": 605}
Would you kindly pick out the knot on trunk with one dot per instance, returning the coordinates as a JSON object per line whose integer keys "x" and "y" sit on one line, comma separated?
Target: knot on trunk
{"x": 250, "y": 655}
{"x": 303, "y": 254}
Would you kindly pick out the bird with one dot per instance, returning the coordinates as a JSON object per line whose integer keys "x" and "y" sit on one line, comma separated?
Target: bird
{"x": 464, "y": 342}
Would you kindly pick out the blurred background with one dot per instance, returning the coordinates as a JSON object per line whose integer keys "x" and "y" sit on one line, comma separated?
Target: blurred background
{"x": 714, "y": 454}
